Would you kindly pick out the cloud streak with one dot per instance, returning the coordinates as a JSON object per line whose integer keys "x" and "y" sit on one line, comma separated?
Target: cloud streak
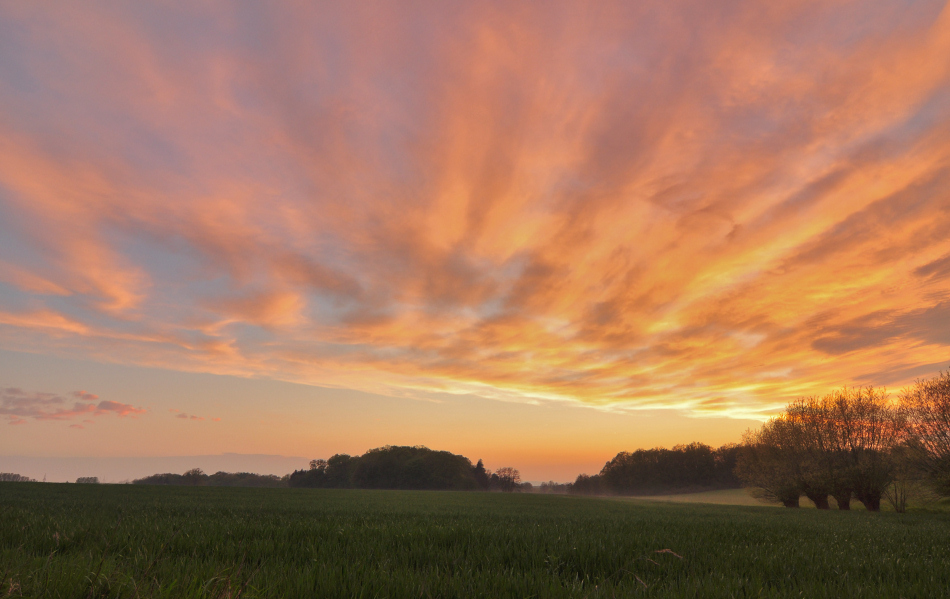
{"x": 17, "y": 405}
{"x": 704, "y": 207}
{"x": 183, "y": 416}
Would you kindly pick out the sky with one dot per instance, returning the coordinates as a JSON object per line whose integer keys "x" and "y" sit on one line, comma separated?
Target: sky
{"x": 537, "y": 234}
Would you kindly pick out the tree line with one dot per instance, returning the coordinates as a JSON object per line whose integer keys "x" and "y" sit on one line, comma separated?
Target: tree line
{"x": 406, "y": 467}
{"x": 389, "y": 467}
{"x": 854, "y": 444}
{"x": 197, "y": 478}
{"x": 12, "y": 477}
{"x": 683, "y": 469}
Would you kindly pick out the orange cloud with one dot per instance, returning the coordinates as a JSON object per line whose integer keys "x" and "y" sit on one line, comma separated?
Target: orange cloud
{"x": 706, "y": 207}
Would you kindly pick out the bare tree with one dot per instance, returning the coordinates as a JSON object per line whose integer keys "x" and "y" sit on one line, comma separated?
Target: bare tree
{"x": 195, "y": 476}
{"x": 909, "y": 479}
{"x": 838, "y": 445}
{"x": 869, "y": 427}
{"x": 804, "y": 426}
{"x": 824, "y": 463}
{"x": 508, "y": 478}
{"x": 927, "y": 405}
{"x": 767, "y": 462}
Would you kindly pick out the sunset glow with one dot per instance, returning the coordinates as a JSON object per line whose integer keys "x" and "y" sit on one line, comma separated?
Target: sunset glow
{"x": 707, "y": 208}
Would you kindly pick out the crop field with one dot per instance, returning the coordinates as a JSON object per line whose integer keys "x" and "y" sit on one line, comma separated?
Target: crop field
{"x": 59, "y": 540}
{"x": 724, "y": 497}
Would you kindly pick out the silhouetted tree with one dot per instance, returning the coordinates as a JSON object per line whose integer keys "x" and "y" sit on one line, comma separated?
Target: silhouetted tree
{"x": 507, "y": 479}
{"x": 685, "y": 468}
{"x": 587, "y": 485}
{"x": 870, "y": 428}
{"x": 245, "y": 479}
{"x": 824, "y": 464}
{"x": 167, "y": 478}
{"x": 767, "y": 463}
{"x": 555, "y": 488}
{"x": 87, "y": 480}
{"x": 10, "y": 477}
{"x": 840, "y": 444}
{"x": 391, "y": 467}
{"x": 908, "y": 477}
{"x": 194, "y": 477}
{"x": 927, "y": 407}
{"x": 340, "y": 470}
{"x": 403, "y": 467}
{"x": 481, "y": 476}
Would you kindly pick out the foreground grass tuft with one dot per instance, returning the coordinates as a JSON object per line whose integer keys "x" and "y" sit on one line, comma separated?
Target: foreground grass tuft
{"x": 131, "y": 541}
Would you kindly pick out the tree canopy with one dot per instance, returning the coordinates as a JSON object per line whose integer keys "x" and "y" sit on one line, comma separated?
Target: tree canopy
{"x": 393, "y": 467}
{"x": 683, "y": 469}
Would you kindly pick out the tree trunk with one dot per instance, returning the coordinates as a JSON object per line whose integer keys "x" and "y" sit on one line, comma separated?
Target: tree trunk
{"x": 843, "y": 499}
{"x": 872, "y": 502}
{"x": 790, "y": 502}
{"x": 820, "y": 500}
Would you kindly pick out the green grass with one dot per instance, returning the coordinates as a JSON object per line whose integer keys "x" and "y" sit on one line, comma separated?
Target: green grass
{"x": 723, "y": 497}
{"x": 743, "y": 497}
{"x": 133, "y": 541}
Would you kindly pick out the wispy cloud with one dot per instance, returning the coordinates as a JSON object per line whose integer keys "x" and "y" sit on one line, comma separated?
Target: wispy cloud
{"x": 17, "y": 405}
{"x": 704, "y": 206}
{"x": 184, "y": 416}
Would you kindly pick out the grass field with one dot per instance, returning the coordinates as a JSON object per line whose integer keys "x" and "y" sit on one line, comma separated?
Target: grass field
{"x": 59, "y": 540}
{"x": 723, "y": 497}
{"x": 742, "y": 497}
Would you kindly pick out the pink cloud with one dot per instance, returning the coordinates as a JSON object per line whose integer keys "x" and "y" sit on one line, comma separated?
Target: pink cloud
{"x": 184, "y": 416}
{"x": 121, "y": 409}
{"x": 18, "y": 405}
